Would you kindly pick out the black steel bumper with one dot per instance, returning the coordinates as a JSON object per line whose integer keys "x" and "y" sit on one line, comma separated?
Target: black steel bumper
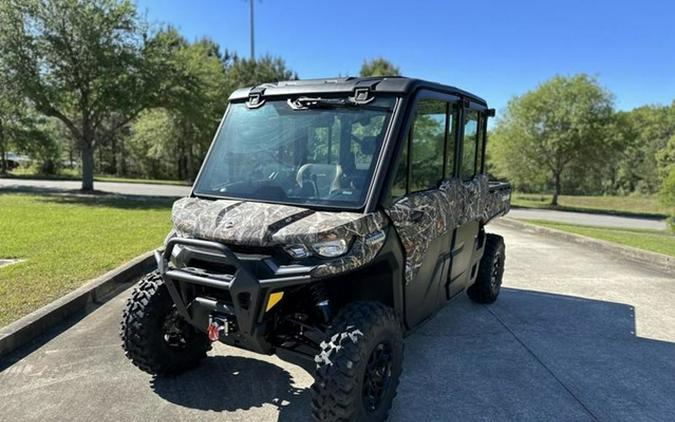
{"x": 249, "y": 294}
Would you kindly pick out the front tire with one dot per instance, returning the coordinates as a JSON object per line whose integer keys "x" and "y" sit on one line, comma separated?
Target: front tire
{"x": 490, "y": 271}
{"x": 154, "y": 337}
{"x": 359, "y": 365}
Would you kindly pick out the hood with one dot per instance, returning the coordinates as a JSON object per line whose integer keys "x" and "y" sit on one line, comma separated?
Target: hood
{"x": 261, "y": 224}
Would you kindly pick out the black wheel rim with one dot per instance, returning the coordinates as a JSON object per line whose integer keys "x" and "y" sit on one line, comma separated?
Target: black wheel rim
{"x": 175, "y": 331}
{"x": 377, "y": 378}
{"x": 495, "y": 275}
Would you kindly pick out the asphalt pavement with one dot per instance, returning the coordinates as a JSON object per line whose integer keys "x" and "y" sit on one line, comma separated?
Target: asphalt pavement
{"x": 576, "y": 335}
{"x": 140, "y": 189}
{"x": 147, "y": 189}
{"x": 586, "y": 219}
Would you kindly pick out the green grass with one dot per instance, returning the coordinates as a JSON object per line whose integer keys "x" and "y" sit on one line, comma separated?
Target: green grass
{"x": 649, "y": 240}
{"x": 620, "y": 205}
{"x": 72, "y": 174}
{"x": 66, "y": 240}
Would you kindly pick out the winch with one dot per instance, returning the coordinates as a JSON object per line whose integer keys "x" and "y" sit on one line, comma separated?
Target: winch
{"x": 220, "y": 326}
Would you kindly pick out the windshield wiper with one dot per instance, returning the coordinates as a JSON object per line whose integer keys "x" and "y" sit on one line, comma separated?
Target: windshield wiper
{"x": 306, "y": 103}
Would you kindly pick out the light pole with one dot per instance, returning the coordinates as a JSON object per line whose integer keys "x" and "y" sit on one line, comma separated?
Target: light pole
{"x": 250, "y": 16}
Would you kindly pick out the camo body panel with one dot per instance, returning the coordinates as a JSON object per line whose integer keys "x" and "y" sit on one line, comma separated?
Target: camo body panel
{"x": 260, "y": 224}
{"x": 422, "y": 217}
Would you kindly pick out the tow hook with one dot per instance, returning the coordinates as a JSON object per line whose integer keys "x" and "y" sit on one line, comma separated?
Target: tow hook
{"x": 218, "y": 326}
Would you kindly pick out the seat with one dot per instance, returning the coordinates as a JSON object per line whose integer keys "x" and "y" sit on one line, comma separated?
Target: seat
{"x": 323, "y": 178}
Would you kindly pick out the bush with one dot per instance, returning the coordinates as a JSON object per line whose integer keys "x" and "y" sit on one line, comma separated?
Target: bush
{"x": 668, "y": 195}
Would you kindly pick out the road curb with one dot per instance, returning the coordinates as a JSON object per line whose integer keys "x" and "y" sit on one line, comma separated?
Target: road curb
{"x": 85, "y": 298}
{"x": 660, "y": 261}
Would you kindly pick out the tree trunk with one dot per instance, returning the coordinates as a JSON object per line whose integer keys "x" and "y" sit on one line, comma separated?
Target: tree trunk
{"x": 122, "y": 162}
{"x": 113, "y": 156}
{"x": 70, "y": 154}
{"x": 556, "y": 189}
{"x": 87, "y": 166}
{"x": 3, "y": 161}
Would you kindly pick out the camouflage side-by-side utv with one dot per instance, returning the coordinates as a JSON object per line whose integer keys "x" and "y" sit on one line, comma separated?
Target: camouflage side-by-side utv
{"x": 329, "y": 219}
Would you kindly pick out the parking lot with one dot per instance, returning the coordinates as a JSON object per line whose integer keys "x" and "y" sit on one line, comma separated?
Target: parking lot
{"x": 575, "y": 335}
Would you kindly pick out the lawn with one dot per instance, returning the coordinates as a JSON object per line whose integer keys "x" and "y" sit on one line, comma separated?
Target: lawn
{"x": 648, "y": 205}
{"x": 67, "y": 240}
{"x": 73, "y": 174}
{"x": 650, "y": 240}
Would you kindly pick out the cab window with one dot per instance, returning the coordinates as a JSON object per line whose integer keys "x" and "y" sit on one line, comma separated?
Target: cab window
{"x": 427, "y": 145}
{"x": 480, "y": 158}
{"x": 399, "y": 186}
{"x": 453, "y": 116}
{"x": 469, "y": 144}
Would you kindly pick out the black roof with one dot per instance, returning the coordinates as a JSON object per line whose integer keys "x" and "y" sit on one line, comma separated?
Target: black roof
{"x": 381, "y": 84}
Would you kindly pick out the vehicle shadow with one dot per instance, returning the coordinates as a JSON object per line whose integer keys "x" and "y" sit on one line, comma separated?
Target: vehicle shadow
{"x": 530, "y": 356}
{"x": 230, "y": 383}
{"x": 536, "y": 356}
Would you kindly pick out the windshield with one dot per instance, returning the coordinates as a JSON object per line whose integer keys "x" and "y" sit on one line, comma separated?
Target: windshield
{"x": 322, "y": 155}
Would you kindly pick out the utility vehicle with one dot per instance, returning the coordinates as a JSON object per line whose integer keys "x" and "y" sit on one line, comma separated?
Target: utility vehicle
{"x": 330, "y": 218}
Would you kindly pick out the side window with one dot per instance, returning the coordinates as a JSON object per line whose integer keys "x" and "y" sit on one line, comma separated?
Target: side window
{"x": 469, "y": 144}
{"x": 398, "y": 187}
{"x": 481, "y": 142}
{"x": 451, "y": 143}
{"x": 426, "y": 150}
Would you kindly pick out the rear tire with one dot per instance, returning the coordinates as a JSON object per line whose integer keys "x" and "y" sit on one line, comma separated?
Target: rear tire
{"x": 154, "y": 337}
{"x": 490, "y": 271}
{"x": 359, "y": 365}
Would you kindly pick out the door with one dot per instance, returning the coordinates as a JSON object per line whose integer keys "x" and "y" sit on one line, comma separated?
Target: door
{"x": 465, "y": 237}
{"x": 419, "y": 210}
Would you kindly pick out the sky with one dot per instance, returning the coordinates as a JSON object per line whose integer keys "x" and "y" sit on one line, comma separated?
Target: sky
{"x": 495, "y": 49}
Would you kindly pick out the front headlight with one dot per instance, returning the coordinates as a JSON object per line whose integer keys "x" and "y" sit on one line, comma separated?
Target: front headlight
{"x": 297, "y": 251}
{"x": 331, "y": 248}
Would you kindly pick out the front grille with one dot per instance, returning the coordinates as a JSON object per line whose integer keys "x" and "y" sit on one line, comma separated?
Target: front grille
{"x": 209, "y": 267}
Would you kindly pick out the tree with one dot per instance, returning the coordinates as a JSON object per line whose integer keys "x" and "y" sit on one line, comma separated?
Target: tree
{"x": 80, "y": 62}
{"x": 250, "y": 72}
{"x": 11, "y": 111}
{"x": 644, "y": 133}
{"x": 379, "y": 67}
{"x": 666, "y": 168}
{"x": 153, "y": 145}
{"x": 563, "y": 122}
{"x": 665, "y": 158}
{"x": 25, "y": 131}
{"x": 199, "y": 80}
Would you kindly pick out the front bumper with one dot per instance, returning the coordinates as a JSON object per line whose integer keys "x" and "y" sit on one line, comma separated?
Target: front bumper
{"x": 247, "y": 292}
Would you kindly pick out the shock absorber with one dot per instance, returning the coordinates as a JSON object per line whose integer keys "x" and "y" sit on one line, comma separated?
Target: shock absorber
{"x": 320, "y": 298}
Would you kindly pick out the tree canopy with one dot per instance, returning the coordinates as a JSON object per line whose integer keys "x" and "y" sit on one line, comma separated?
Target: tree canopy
{"x": 560, "y": 124}
{"x": 95, "y": 67}
{"x": 94, "y": 79}
{"x": 180, "y": 128}
{"x": 379, "y": 67}
{"x": 80, "y": 62}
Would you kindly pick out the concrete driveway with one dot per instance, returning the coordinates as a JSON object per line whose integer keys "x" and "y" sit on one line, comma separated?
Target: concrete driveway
{"x": 576, "y": 335}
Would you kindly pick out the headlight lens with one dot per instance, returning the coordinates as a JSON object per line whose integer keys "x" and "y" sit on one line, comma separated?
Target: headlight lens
{"x": 331, "y": 248}
{"x": 297, "y": 251}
